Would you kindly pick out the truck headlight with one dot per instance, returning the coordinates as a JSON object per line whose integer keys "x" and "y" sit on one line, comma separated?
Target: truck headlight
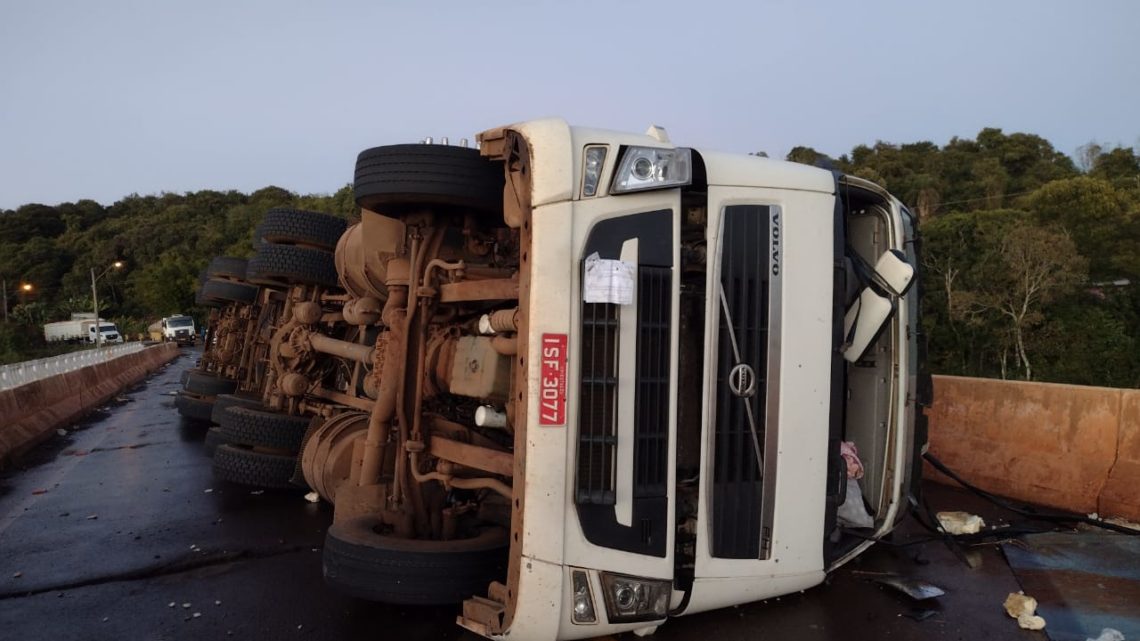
{"x": 593, "y": 162}
{"x": 630, "y": 598}
{"x": 583, "y": 600}
{"x": 645, "y": 168}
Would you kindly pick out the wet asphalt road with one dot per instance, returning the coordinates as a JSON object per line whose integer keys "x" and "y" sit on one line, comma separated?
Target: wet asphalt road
{"x": 102, "y": 529}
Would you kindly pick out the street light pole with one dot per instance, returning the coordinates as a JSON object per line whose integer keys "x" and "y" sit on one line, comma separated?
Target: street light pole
{"x": 95, "y": 300}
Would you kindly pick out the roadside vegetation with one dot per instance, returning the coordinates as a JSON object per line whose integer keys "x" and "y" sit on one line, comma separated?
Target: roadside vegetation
{"x": 1031, "y": 258}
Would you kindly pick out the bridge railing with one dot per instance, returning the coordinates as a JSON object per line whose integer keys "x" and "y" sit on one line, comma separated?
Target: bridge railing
{"x": 18, "y": 374}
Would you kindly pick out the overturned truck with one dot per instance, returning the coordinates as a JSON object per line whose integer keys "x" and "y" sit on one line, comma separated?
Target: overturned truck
{"x": 584, "y": 381}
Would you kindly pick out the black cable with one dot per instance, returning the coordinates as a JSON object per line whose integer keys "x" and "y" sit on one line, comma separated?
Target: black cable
{"x": 1028, "y": 512}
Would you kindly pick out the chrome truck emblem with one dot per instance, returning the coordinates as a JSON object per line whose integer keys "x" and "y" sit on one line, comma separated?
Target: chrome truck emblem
{"x": 742, "y": 380}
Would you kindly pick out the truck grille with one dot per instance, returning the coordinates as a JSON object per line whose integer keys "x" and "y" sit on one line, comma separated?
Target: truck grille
{"x": 739, "y": 526}
{"x": 601, "y": 396}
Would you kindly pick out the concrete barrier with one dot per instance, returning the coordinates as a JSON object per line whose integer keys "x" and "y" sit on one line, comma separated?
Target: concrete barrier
{"x": 31, "y": 412}
{"x": 1065, "y": 446}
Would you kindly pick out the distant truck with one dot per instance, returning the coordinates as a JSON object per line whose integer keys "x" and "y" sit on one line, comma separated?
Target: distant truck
{"x": 82, "y": 328}
{"x": 179, "y": 329}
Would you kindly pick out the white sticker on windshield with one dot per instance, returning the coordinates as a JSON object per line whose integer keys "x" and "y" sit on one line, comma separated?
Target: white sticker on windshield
{"x": 608, "y": 281}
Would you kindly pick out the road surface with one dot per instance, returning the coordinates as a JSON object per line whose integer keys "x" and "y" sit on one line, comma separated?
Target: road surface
{"x": 118, "y": 530}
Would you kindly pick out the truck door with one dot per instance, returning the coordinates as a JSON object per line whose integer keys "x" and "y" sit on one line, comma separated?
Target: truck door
{"x": 766, "y": 386}
{"x": 622, "y": 424}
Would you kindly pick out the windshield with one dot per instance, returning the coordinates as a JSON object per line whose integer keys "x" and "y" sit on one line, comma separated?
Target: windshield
{"x": 180, "y": 322}
{"x": 107, "y": 328}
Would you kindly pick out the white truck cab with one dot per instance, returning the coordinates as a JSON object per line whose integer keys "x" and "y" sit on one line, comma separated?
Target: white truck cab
{"x": 699, "y": 332}
{"x": 179, "y": 329}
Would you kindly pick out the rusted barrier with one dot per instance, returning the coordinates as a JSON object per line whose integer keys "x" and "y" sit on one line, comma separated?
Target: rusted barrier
{"x": 1066, "y": 446}
{"x": 30, "y": 413}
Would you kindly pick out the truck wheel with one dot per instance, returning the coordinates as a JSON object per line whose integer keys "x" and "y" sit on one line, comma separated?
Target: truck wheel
{"x": 290, "y": 264}
{"x": 226, "y": 291}
{"x": 214, "y": 438}
{"x": 362, "y": 563}
{"x": 396, "y": 175}
{"x": 226, "y": 401}
{"x": 227, "y": 267}
{"x": 259, "y": 428}
{"x": 208, "y": 385}
{"x": 193, "y": 408}
{"x": 301, "y": 227}
{"x": 257, "y": 469}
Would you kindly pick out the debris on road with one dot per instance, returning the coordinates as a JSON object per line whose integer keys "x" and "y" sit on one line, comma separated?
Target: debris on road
{"x": 92, "y": 517}
{"x": 209, "y": 490}
{"x": 61, "y": 432}
{"x": 312, "y": 497}
{"x": 913, "y": 588}
{"x": 171, "y": 604}
{"x": 257, "y": 492}
{"x": 960, "y": 522}
{"x": 196, "y": 615}
{"x": 1108, "y": 634}
{"x": 1022, "y": 607}
{"x": 186, "y": 606}
{"x": 17, "y": 575}
{"x": 38, "y": 492}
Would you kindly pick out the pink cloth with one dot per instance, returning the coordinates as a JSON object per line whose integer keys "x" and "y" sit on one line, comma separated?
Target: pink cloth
{"x": 850, "y": 453}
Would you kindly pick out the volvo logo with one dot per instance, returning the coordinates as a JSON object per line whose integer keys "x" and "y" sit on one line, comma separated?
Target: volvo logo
{"x": 742, "y": 380}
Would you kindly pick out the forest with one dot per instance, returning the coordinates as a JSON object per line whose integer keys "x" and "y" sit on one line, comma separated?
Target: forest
{"x": 1030, "y": 257}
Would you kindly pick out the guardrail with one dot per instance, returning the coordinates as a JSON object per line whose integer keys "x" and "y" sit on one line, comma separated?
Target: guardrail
{"x": 18, "y": 374}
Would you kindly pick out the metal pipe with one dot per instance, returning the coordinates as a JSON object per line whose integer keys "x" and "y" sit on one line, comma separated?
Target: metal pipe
{"x": 380, "y": 419}
{"x": 352, "y": 351}
{"x": 480, "y": 483}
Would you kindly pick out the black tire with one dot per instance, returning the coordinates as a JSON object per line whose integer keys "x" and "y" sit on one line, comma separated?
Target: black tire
{"x": 289, "y": 264}
{"x": 226, "y": 291}
{"x": 259, "y": 428}
{"x": 214, "y": 438}
{"x": 255, "y": 469}
{"x": 208, "y": 385}
{"x": 301, "y": 227}
{"x": 397, "y": 175}
{"x": 227, "y": 267}
{"x": 194, "y": 408}
{"x": 367, "y": 565}
{"x": 226, "y": 401}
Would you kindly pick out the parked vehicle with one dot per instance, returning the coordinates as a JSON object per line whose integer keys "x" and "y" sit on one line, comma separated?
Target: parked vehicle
{"x": 583, "y": 381}
{"x": 179, "y": 329}
{"x": 81, "y": 328}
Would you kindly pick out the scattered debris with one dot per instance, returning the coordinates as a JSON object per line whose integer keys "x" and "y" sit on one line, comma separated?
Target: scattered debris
{"x": 171, "y": 604}
{"x": 1022, "y": 607}
{"x": 196, "y": 615}
{"x": 1109, "y": 634}
{"x": 186, "y": 606}
{"x": 106, "y": 619}
{"x": 920, "y": 615}
{"x": 38, "y": 492}
{"x": 92, "y": 517}
{"x": 61, "y": 432}
{"x": 312, "y": 497}
{"x": 209, "y": 490}
{"x": 960, "y": 522}
{"x": 216, "y": 602}
{"x": 257, "y": 492}
{"x": 913, "y": 588}
{"x": 17, "y": 575}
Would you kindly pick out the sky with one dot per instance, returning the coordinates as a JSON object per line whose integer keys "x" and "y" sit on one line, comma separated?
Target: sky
{"x": 103, "y": 99}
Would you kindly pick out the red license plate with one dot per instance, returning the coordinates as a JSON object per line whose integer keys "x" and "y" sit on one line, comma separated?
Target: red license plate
{"x": 552, "y": 390}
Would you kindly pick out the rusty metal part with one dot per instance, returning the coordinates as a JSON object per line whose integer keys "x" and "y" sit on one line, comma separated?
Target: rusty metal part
{"x": 307, "y": 313}
{"x": 294, "y": 384}
{"x": 362, "y": 266}
{"x": 354, "y": 402}
{"x": 483, "y": 483}
{"x": 327, "y": 458}
{"x": 470, "y": 366}
{"x": 472, "y": 290}
{"x": 505, "y": 345}
{"x": 362, "y": 311}
{"x": 473, "y": 456}
{"x": 511, "y": 147}
{"x": 336, "y": 347}
{"x": 503, "y": 320}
